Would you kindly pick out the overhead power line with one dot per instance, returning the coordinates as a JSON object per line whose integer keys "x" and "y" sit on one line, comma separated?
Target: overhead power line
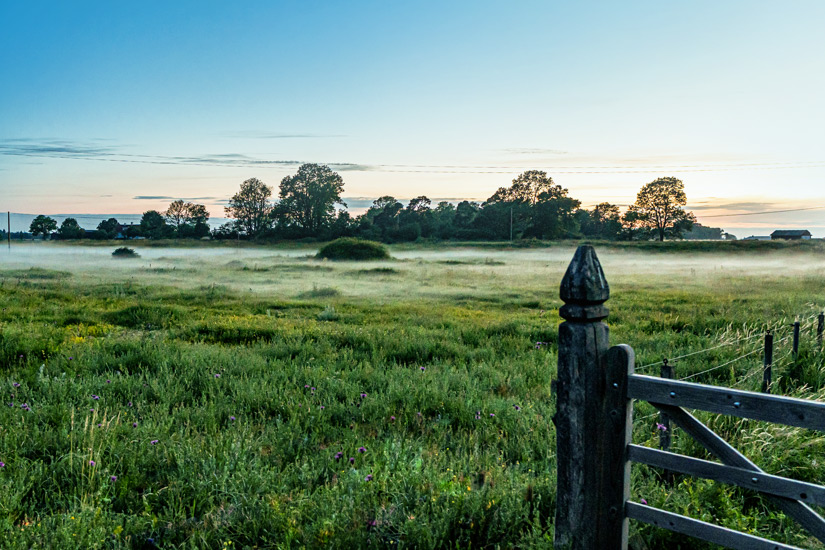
{"x": 763, "y": 212}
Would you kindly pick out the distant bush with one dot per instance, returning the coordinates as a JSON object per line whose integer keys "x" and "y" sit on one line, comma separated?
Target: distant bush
{"x": 124, "y": 252}
{"x": 348, "y": 248}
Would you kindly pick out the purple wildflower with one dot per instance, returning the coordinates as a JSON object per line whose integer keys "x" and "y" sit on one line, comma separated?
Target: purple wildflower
{"x": 392, "y": 419}
{"x": 134, "y": 424}
{"x": 362, "y": 450}
{"x": 16, "y": 384}
{"x": 129, "y": 404}
{"x": 422, "y": 369}
{"x": 232, "y": 418}
{"x": 478, "y": 417}
{"x": 363, "y": 395}
{"x": 368, "y": 478}
{"x": 517, "y": 407}
{"x": 95, "y": 397}
{"x": 644, "y": 502}
{"x": 312, "y": 389}
{"x": 322, "y": 407}
{"x": 100, "y": 425}
{"x": 108, "y": 381}
{"x": 2, "y": 464}
{"x": 339, "y": 455}
{"x": 70, "y": 358}
{"x": 492, "y": 415}
{"x": 91, "y": 463}
{"x": 91, "y": 410}
{"x": 306, "y": 386}
{"x": 217, "y": 375}
{"x": 113, "y": 478}
{"x": 352, "y": 460}
{"x": 661, "y": 427}
{"x": 419, "y": 414}
{"x": 153, "y": 442}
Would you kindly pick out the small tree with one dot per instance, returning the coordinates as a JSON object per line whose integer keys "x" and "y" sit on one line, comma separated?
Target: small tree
{"x": 70, "y": 229}
{"x": 42, "y": 225}
{"x": 153, "y": 225}
{"x": 658, "y": 207}
{"x": 250, "y": 207}
{"x": 108, "y": 228}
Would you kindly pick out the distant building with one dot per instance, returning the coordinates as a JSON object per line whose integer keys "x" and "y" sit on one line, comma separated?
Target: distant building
{"x": 791, "y": 234}
{"x": 757, "y": 238}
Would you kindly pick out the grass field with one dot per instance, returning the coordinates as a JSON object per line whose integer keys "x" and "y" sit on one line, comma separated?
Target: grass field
{"x": 253, "y": 397}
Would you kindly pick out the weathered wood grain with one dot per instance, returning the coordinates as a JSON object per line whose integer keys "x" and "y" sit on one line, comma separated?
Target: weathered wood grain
{"x": 744, "y": 404}
{"x": 764, "y": 483}
{"x": 701, "y": 530}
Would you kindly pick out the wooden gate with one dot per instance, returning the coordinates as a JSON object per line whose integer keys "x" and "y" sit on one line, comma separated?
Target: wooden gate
{"x": 595, "y": 388}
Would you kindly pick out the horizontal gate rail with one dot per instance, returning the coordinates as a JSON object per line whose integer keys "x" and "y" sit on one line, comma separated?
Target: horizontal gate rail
{"x": 764, "y": 483}
{"x": 800, "y": 511}
{"x": 700, "y": 529}
{"x": 744, "y": 404}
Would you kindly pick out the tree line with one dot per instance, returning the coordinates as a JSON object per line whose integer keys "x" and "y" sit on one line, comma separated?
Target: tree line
{"x": 309, "y": 206}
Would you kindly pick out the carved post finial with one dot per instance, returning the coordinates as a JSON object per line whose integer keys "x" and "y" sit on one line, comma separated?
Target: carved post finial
{"x": 584, "y": 288}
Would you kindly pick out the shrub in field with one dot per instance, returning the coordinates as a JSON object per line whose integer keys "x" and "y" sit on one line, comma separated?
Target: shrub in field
{"x": 348, "y": 248}
{"x": 125, "y": 252}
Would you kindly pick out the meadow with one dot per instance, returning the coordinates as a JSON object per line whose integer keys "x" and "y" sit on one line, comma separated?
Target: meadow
{"x": 255, "y": 397}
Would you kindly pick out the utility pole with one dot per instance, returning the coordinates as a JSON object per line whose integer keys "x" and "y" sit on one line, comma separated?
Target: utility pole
{"x": 8, "y": 228}
{"x": 511, "y": 224}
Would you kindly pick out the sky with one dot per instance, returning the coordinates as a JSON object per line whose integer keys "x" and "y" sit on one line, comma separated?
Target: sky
{"x": 122, "y": 107}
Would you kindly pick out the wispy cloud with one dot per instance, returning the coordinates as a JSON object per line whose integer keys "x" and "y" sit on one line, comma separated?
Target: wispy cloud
{"x": 168, "y": 198}
{"x": 257, "y": 134}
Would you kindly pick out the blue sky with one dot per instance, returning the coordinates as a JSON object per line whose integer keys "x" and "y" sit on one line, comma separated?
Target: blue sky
{"x": 121, "y": 107}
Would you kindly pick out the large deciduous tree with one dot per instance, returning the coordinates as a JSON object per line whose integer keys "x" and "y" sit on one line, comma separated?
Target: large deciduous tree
{"x": 42, "y": 225}
{"x": 108, "y": 229}
{"x": 309, "y": 197}
{"x": 659, "y": 207}
{"x": 250, "y": 207}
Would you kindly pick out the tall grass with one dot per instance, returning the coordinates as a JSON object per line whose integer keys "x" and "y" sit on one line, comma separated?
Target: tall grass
{"x": 197, "y": 413}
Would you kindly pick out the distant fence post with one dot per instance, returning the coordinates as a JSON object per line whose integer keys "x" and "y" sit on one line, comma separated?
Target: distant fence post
{"x": 593, "y": 416}
{"x": 795, "y": 340}
{"x": 767, "y": 360}
{"x": 820, "y": 327}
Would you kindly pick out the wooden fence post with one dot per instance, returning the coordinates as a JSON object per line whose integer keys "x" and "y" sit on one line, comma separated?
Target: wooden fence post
{"x": 820, "y": 327}
{"x": 592, "y": 415}
{"x": 795, "y": 340}
{"x": 767, "y": 360}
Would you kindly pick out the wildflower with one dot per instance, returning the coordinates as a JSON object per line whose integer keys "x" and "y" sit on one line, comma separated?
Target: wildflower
{"x": 661, "y": 427}
{"x": 392, "y": 419}
{"x": 129, "y": 404}
{"x": 2, "y": 464}
{"x": 339, "y": 455}
{"x": 362, "y": 450}
{"x": 232, "y": 419}
{"x": 134, "y": 424}
{"x": 70, "y": 358}
{"x": 352, "y": 460}
{"x": 492, "y": 415}
{"x": 368, "y": 478}
{"x": 517, "y": 407}
{"x": 322, "y": 407}
{"x": 113, "y": 478}
{"x": 306, "y": 386}
{"x": 95, "y": 397}
{"x": 644, "y": 502}
{"x": 419, "y": 414}
{"x": 217, "y": 375}
{"x": 25, "y": 406}
{"x": 312, "y": 389}
{"x": 153, "y": 442}
{"x": 99, "y": 425}
{"x": 363, "y": 395}
{"x": 91, "y": 463}
{"x": 372, "y": 523}
{"x": 108, "y": 381}
{"x": 16, "y": 384}
{"x": 478, "y": 417}
{"x": 422, "y": 369}
{"x": 91, "y": 410}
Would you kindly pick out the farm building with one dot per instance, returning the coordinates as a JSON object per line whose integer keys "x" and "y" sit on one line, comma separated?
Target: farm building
{"x": 757, "y": 238}
{"x": 790, "y": 234}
